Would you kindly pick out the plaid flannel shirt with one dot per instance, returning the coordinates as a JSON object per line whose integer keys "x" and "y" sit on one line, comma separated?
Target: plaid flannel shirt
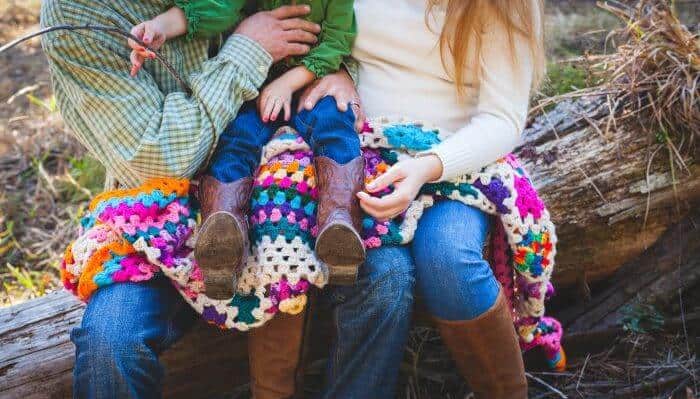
{"x": 145, "y": 126}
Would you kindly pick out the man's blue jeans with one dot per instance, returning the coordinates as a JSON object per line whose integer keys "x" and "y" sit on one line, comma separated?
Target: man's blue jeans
{"x": 328, "y": 131}
{"x": 124, "y": 329}
{"x": 126, "y": 326}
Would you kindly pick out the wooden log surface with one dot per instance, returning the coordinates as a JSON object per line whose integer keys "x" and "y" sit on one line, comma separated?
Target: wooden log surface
{"x": 595, "y": 185}
{"x": 670, "y": 266}
{"x": 36, "y": 355}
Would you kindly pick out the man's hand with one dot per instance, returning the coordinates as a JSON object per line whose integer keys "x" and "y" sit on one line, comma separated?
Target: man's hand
{"x": 340, "y": 86}
{"x": 281, "y": 32}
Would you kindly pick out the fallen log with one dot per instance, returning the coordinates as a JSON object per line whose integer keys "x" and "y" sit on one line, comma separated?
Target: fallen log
{"x": 36, "y": 355}
{"x": 36, "y": 359}
{"x": 657, "y": 278}
{"x": 599, "y": 187}
{"x": 671, "y": 265}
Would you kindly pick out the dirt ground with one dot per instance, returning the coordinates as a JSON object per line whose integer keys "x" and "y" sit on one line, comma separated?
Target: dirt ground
{"x": 36, "y": 155}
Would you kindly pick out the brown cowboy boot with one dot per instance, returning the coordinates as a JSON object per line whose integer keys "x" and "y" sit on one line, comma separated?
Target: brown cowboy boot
{"x": 486, "y": 352}
{"x": 339, "y": 244}
{"x": 222, "y": 240}
{"x": 276, "y": 356}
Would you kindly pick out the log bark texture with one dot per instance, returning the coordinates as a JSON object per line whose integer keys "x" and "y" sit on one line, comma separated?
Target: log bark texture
{"x": 670, "y": 266}
{"x": 595, "y": 185}
{"x": 36, "y": 355}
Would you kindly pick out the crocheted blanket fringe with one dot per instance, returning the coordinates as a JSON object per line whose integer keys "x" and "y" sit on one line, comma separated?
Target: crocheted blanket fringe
{"x": 132, "y": 235}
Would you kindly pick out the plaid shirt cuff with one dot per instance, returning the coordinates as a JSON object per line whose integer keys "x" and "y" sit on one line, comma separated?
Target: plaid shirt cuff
{"x": 247, "y": 53}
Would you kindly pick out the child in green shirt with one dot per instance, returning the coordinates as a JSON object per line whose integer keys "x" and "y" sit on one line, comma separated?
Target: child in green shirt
{"x": 222, "y": 241}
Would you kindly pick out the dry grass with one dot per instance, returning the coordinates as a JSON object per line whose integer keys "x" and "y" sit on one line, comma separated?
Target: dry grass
{"x": 44, "y": 174}
{"x": 655, "y": 74}
{"x": 653, "y": 77}
{"x": 651, "y": 83}
{"x": 635, "y": 366}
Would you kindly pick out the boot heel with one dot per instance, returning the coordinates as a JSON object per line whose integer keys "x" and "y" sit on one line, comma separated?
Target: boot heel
{"x": 341, "y": 249}
{"x": 222, "y": 241}
{"x": 219, "y": 250}
{"x": 342, "y": 275}
{"x": 339, "y": 244}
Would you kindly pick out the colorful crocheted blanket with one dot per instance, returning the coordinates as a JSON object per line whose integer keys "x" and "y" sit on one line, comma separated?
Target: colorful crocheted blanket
{"x": 132, "y": 235}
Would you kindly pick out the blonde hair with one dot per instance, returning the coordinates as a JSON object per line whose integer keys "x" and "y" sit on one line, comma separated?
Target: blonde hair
{"x": 464, "y": 26}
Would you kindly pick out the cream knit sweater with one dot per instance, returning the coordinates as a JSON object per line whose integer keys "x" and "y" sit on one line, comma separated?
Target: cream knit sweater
{"x": 401, "y": 73}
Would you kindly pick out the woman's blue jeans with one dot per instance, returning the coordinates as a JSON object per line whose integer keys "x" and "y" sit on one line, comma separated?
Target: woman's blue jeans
{"x": 126, "y": 326}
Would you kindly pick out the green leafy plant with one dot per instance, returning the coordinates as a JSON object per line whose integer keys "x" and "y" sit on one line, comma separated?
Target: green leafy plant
{"x": 564, "y": 78}
{"x": 32, "y": 281}
{"x": 642, "y": 318}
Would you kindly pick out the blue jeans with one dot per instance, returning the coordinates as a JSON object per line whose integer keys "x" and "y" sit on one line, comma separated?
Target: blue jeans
{"x": 372, "y": 319}
{"x": 127, "y": 325}
{"x": 124, "y": 329}
{"x": 329, "y": 132}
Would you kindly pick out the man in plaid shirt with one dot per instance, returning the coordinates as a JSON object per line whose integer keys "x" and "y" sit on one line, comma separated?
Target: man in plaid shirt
{"x": 146, "y": 127}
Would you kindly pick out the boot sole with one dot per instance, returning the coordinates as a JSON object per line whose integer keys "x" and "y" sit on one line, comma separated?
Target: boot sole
{"x": 219, "y": 251}
{"x": 341, "y": 248}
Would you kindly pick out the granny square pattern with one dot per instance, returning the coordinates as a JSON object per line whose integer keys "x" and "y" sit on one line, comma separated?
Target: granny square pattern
{"x": 135, "y": 234}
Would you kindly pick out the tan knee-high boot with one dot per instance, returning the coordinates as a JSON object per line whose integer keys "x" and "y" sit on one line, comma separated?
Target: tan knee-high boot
{"x": 275, "y": 355}
{"x": 487, "y": 353}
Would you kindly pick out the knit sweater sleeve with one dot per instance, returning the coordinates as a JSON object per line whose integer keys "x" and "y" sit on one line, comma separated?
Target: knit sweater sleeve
{"x": 501, "y": 110}
{"x": 338, "y": 31}
{"x": 207, "y": 18}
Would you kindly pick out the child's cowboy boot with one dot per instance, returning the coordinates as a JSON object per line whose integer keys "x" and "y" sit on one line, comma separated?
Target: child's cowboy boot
{"x": 222, "y": 240}
{"x": 339, "y": 244}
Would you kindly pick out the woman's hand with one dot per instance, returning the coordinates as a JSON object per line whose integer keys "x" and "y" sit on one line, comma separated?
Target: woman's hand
{"x": 340, "y": 86}
{"x": 407, "y": 176}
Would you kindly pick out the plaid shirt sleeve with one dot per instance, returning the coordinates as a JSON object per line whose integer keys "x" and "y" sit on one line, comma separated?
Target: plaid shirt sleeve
{"x": 129, "y": 124}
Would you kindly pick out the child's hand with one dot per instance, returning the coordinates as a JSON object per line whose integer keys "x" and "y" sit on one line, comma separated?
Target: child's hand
{"x": 152, "y": 33}
{"x": 275, "y": 97}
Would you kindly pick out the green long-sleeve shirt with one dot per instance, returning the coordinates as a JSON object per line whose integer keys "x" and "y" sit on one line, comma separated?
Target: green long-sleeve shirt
{"x": 207, "y": 18}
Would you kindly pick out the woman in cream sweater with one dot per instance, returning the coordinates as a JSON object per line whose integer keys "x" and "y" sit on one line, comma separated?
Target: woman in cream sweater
{"x": 467, "y": 66}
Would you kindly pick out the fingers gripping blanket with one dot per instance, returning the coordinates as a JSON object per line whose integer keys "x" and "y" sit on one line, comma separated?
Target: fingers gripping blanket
{"x": 133, "y": 235}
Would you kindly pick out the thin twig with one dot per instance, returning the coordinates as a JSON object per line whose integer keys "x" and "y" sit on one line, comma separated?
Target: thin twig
{"x": 102, "y": 28}
{"x": 546, "y": 385}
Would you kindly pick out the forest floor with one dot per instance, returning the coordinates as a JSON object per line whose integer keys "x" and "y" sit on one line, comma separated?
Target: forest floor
{"x": 46, "y": 179}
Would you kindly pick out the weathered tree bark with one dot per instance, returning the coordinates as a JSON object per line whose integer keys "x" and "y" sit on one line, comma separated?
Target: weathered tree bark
{"x": 36, "y": 355}
{"x": 595, "y": 186}
{"x": 657, "y": 277}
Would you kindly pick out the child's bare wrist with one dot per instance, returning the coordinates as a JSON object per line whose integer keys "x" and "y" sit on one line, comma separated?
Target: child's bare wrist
{"x": 173, "y": 23}
{"x": 298, "y": 78}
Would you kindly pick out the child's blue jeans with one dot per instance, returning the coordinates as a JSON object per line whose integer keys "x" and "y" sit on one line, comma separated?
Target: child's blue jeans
{"x": 329, "y": 132}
